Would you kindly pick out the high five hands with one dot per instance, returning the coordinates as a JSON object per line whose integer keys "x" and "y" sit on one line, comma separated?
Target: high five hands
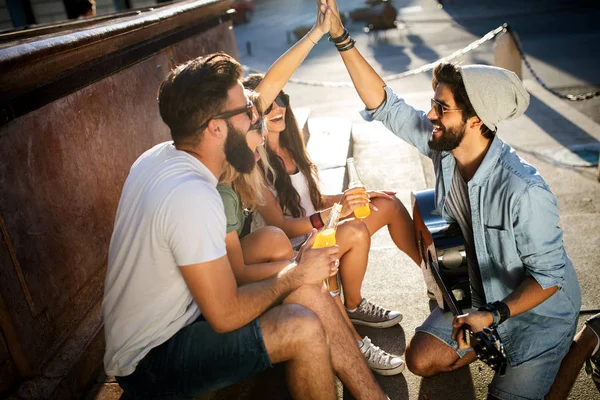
{"x": 322, "y": 23}
{"x": 336, "y": 26}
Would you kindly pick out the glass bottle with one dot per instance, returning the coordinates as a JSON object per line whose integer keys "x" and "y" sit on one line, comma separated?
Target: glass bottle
{"x": 326, "y": 238}
{"x": 355, "y": 182}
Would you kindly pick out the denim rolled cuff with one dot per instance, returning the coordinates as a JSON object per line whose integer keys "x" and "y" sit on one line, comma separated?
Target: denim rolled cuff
{"x": 547, "y": 279}
{"x": 372, "y": 115}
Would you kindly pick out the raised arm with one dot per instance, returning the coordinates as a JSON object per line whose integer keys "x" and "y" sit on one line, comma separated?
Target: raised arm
{"x": 281, "y": 71}
{"x": 367, "y": 82}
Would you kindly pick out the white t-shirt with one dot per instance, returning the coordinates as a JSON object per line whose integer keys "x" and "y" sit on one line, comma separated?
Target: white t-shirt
{"x": 170, "y": 214}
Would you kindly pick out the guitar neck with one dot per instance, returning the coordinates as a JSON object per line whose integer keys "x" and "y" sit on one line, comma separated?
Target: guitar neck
{"x": 448, "y": 296}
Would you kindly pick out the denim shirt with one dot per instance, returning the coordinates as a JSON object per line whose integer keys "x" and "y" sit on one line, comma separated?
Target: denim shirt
{"x": 515, "y": 229}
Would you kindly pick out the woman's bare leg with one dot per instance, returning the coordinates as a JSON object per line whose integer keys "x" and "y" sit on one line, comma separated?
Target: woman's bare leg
{"x": 354, "y": 240}
{"x": 266, "y": 245}
{"x": 400, "y": 225}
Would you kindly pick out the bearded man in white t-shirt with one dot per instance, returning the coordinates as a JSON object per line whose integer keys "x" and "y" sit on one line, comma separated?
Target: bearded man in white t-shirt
{"x": 176, "y": 323}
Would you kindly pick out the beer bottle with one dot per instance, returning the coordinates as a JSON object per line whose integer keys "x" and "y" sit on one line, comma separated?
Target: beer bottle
{"x": 354, "y": 182}
{"x": 326, "y": 238}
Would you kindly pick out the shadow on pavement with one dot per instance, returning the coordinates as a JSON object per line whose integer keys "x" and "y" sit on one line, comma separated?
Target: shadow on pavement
{"x": 395, "y": 387}
{"x": 421, "y": 50}
{"x": 391, "y": 58}
{"x": 450, "y": 385}
{"x": 555, "y": 125}
{"x": 392, "y": 340}
{"x": 532, "y": 20}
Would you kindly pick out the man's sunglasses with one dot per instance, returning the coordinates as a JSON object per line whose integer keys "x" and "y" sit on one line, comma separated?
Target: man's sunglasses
{"x": 283, "y": 100}
{"x": 440, "y": 109}
{"x": 248, "y": 109}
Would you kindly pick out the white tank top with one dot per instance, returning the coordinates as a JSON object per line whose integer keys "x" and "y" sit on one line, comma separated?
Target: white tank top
{"x": 301, "y": 185}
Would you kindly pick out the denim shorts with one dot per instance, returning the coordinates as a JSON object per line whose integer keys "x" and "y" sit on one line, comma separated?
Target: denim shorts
{"x": 530, "y": 380}
{"x": 198, "y": 360}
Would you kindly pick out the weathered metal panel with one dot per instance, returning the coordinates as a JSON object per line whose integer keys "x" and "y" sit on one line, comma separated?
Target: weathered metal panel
{"x": 62, "y": 167}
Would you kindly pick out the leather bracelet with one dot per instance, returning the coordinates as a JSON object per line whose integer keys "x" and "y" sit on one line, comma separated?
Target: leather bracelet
{"x": 347, "y": 46}
{"x": 340, "y": 38}
{"x": 503, "y": 310}
{"x": 316, "y": 221}
{"x": 489, "y": 307}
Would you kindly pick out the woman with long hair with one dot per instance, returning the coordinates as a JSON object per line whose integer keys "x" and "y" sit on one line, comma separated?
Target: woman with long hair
{"x": 293, "y": 202}
{"x": 258, "y": 255}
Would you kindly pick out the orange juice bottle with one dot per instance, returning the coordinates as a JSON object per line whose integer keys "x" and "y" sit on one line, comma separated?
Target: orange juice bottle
{"x": 355, "y": 182}
{"x": 326, "y": 238}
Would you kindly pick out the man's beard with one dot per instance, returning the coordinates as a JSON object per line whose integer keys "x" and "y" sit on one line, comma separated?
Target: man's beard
{"x": 449, "y": 139}
{"x": 237, "y": 152}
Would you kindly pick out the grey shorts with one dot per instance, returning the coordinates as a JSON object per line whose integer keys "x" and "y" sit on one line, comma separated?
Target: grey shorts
{"x": 531, "y": 380}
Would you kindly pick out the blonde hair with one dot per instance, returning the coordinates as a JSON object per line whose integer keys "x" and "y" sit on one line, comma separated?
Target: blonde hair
{"x": 249, "y": 187}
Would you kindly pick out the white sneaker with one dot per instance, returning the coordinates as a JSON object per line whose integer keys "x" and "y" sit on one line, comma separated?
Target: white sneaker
{"x": 381, "y": 362}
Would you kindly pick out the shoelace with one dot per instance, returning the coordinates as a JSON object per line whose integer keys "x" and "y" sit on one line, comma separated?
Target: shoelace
{"x": 375, "y": 354}
{"x": 374, "y": 309}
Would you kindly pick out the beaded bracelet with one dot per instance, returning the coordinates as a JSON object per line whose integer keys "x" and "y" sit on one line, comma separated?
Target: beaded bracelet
{"x": 340, "y": 38}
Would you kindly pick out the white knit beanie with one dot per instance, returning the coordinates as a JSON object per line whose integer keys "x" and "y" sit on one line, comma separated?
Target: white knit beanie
{"x": 496, "y": 94}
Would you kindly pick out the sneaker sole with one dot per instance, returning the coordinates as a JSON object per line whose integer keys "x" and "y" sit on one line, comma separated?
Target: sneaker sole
{"x": 384, "y": 324}
{"x": 390, "y": 372}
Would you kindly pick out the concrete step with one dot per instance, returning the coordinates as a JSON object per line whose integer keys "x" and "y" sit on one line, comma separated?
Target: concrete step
{"x": 329, "y": 147}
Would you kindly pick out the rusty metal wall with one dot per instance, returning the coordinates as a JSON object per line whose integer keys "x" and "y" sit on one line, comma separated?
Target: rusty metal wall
{"x": 62, "y": 167}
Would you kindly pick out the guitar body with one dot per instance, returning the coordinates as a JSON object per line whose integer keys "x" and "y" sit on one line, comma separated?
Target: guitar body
{"x": 444, "y": 242}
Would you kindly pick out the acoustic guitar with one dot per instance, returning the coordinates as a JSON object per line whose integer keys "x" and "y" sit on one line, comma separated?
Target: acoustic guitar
{"x": 445, "y": 269}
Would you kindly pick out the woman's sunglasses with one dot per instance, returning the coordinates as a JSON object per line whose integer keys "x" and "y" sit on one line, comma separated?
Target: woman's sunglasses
{"x": 283, "y": 100}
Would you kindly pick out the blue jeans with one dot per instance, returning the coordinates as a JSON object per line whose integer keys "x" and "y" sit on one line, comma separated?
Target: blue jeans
{"x": 198, "y": 360}
{"x": 530, "y": 380}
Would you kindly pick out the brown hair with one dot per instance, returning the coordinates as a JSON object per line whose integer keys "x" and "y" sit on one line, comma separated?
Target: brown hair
{"x": 195, "y": 91}
{"x": 291, "y": 140}
{"x": 449, "y": 74}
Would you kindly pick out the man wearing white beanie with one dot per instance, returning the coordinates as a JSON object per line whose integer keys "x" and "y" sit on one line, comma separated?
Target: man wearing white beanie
{"x": 523, "y": 284}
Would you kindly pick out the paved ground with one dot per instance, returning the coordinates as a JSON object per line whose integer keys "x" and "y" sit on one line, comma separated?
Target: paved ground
{"x": 561, "y": 41}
